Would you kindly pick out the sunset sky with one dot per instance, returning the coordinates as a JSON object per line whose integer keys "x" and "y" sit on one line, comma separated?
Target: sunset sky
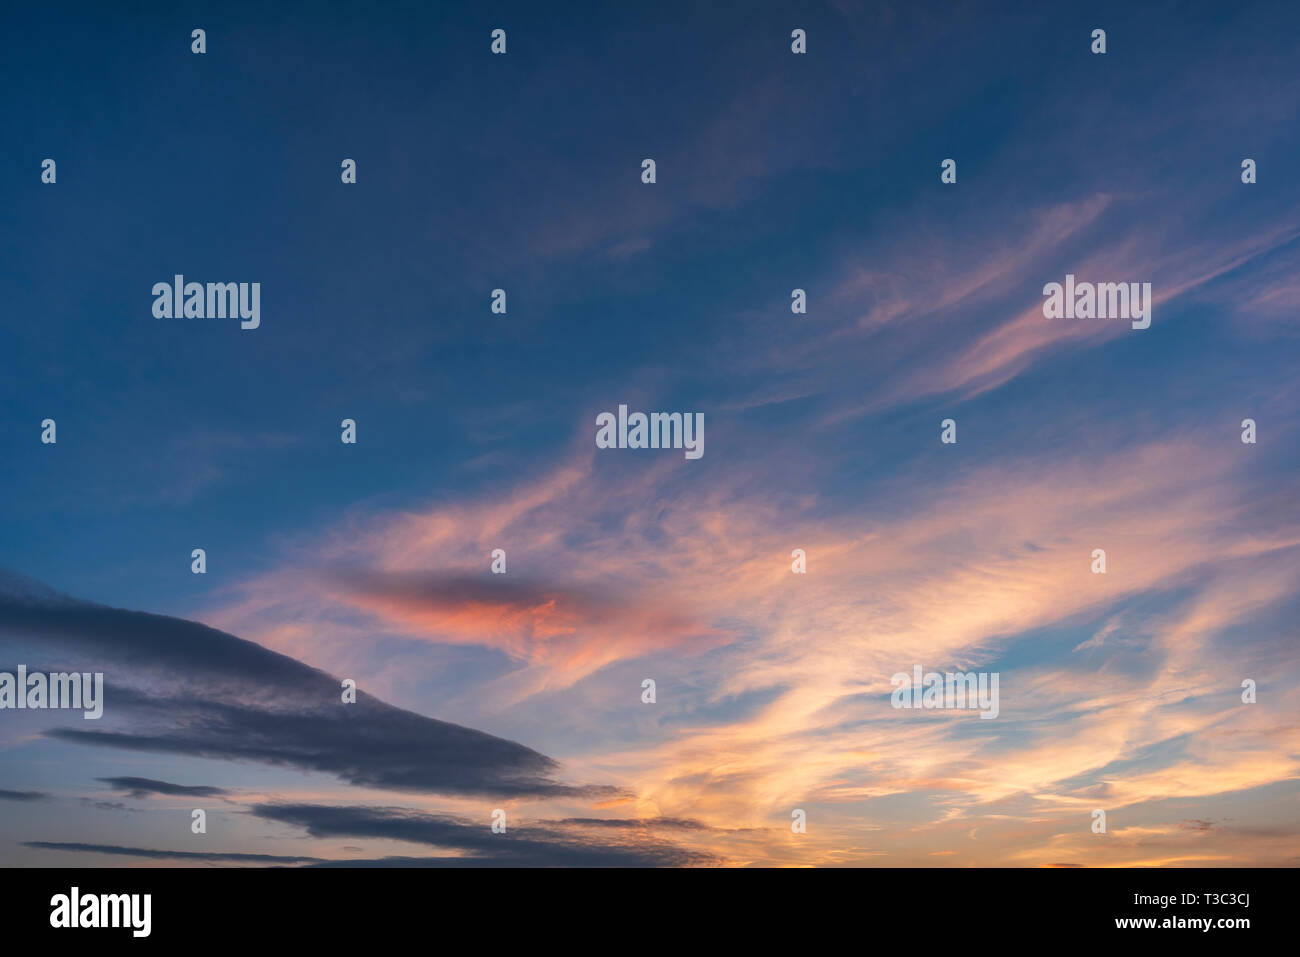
{"x": 476, "y": 431}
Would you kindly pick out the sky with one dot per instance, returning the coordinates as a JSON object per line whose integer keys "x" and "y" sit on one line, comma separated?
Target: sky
{"x": 522, "y": 692}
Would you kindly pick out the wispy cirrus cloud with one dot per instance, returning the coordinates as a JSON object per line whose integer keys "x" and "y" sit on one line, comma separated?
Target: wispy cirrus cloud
{"x": 961, "y": 579}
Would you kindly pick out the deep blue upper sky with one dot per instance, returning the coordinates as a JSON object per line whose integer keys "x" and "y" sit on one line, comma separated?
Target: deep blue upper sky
{"x": 522, "y": 172}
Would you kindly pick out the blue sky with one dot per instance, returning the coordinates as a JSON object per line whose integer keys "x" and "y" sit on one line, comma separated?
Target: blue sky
{"x": 775, "y": 171}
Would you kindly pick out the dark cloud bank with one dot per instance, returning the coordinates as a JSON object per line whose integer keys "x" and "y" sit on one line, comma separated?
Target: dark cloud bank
{"x": 179, "y": 687}
{"x": 176, "y": 686}
{"x": 564, "y": 843}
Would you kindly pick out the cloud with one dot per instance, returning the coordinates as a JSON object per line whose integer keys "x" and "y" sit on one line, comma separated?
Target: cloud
{"x": 106, "y": 805}
{"x": 231, "y": 857}
{"x": 143, "y": 787}
{"x": 420, "y": 574}
{"x": 960, "y": 569}
{"x": 7, "y": 795}
{"x": 540, "y": 844}
{"x": 571, "y": 628}
{"x": 179, "y": 687}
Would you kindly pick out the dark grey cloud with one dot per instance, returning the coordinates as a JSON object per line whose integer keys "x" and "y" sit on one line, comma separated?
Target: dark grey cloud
{"x": 631, "y": 823}
{"x": 180, "y": 687}
{"x": 6, "y": 795}
{"x": 143, "y": 787}
{"x": 535, "y": 844}
{"x": 503, "y": 860}
{"x": 412, "y": 862}
{"x": 566, "y": 843}
{"x": 158, "y": 855}
{"x": 106, "y": 805}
